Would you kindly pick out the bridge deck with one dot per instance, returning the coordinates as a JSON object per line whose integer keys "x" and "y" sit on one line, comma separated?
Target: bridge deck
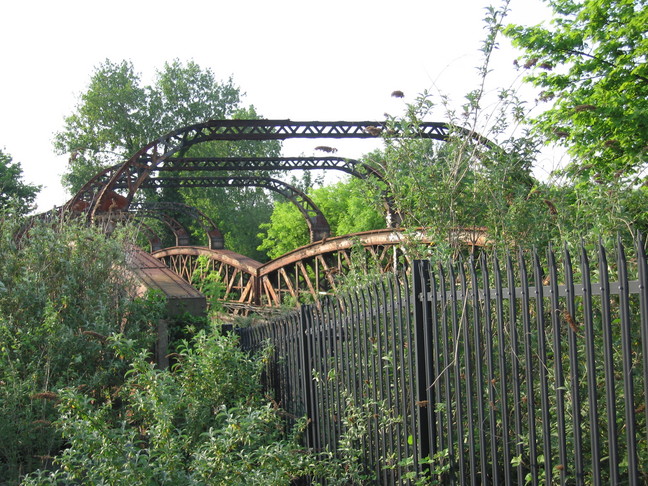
{"x": 153, "y": 274}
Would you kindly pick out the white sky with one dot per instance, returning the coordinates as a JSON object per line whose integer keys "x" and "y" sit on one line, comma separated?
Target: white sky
{"x": 298, "y": 59}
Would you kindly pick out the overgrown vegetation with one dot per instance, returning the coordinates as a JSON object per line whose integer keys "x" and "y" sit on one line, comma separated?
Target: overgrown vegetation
{"x": 204, "y": 422}
{"x": 349, "y": 207}
{"x": 80, "y": 398}
{"x": 82, "y": 401}
{"x": 63, "y": 293}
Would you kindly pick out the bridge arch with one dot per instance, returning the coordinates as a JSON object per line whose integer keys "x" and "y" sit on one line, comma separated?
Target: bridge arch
{"x": 138, "y": 168}
{"x": 214, "y": 236}
{"x": 318, "y": 226}
{"x": 155, "y": 243}
{"x": 179, "y": 231}
{"x": 305, "y": 273}
{"x": 238, "y": 273}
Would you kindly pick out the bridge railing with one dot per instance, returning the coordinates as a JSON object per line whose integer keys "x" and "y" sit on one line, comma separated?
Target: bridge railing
{"x": 529, "y": 369}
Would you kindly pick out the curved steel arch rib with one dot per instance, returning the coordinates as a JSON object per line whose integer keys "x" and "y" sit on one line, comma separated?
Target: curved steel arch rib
{"x": 133, "y": 172}
{"x": 214, "y": 235}
{"x": 307, "y": 271}
{"x": 179, "y": 231}
{"x": 353, "y": 167}
{"x": 237, "y": 272}
{"x": 318, "y": 226}
{"x": 154, "y": 240}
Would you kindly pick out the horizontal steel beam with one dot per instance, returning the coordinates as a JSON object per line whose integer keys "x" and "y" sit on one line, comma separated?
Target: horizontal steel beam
{"x": 284, "y": 129}
{"x": 350, "y": 166}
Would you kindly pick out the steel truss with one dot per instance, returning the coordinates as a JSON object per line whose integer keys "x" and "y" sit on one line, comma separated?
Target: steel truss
{"x": 132, "y": 173}
{"x": 353, "y": 167}
{"x": 214, "y": 235}
{"x": 305, "y": 274}
{"x": 318, "y": 226}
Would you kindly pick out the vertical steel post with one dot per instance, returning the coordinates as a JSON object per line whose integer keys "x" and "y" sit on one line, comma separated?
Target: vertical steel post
{"x": 423, "y": 371}
{"x": 307, "y": 381}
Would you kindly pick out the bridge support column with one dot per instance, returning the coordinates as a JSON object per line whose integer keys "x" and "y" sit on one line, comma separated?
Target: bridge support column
{"x": 319, "y": 229}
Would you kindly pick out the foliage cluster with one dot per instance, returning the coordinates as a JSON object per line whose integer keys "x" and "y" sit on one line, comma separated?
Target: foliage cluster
{"x": 117, "y": 115}
{"x": 590, "y": 63}
{"x": 205, "y": 422}
{"x": 82, "y": 400}
{"x": 349, "y": 207}
{"x": 481, "y": 177}
{"x": 62, "y": 294}
{"x": 15, "y": 195}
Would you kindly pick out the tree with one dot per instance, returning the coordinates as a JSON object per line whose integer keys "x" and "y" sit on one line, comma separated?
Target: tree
{"x": 15, "y": 195}
{"x": 591, "y": 62}
{"x": 117, "y": 115}
{"x": 349, "y": 207}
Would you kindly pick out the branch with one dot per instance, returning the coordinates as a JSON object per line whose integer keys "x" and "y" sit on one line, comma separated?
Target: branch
{"x": 611, "y": 64}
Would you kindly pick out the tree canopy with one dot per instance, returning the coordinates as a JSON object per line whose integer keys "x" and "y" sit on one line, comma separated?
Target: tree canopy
{"x": 349, "y": 207}
{"x": 118, "y": 115}
{"x": 15, "y": 194}
{"x": 590, "y": 62}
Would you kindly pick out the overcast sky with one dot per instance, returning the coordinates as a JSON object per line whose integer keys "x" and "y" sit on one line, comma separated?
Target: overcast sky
{"x": 296, "y": 59}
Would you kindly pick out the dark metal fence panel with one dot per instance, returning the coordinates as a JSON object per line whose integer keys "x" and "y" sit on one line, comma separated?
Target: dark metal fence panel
{"x": 486, "y": 371}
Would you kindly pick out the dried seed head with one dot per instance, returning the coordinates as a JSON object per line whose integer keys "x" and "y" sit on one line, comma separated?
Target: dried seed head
{"x": 373, "y": 131}
{"x": 530, "y": 63}
{"x": 45, "y": 396}
{"x": 579, "y": 108}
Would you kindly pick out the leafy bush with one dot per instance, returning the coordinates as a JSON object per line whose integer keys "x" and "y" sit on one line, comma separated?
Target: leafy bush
{"x": 204, "y": 422}
{"x": 62, "y": 294}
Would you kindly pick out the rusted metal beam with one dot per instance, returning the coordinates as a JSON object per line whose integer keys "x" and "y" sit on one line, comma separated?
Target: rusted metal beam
{"x": 138, "y": 168}
{"x": 215, "y": 238}
{"x": 318, "y": 226}
{"x": 294, "y": 272}
{"x": 228, "y": 257}
{"x": 209, "y": 164}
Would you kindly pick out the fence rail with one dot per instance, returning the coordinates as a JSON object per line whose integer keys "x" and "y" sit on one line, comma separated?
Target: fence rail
{"x": 518, "y": 370}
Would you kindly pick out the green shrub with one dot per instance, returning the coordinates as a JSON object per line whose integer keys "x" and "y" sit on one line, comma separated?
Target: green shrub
{"x": 204, "y": 422}
{"x": 63, "y": 293}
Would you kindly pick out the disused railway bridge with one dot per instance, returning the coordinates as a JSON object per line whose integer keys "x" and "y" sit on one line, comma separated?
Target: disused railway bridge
{"x": 302, "y": 274}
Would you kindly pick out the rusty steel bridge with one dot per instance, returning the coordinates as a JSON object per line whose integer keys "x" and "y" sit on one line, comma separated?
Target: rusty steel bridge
{"x": 300, "y": 275}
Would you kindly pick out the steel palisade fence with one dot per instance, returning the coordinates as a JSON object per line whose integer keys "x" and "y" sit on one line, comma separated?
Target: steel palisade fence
{"x": 497, "y": 370}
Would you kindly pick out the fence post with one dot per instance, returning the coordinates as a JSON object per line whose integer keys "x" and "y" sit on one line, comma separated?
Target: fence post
{"x": 306, "y": 378}
{"x": 423, "y": 347}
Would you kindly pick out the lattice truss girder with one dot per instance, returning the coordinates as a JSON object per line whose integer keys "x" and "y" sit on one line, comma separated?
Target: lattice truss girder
{"x": 252, "y": 164}
{"x": 313, "y": 277}
{"x": 133, "y": 172}
{"x": 318, "y": 225}
{"x": 275, "y": 185}
{"x": 236, "y": 282}
{"x": 303, "y": 279}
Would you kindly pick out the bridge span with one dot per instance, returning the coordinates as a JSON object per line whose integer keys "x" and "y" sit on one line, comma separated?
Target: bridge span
{"x": 172, "y": 161}
{"x": 304, "y": 274}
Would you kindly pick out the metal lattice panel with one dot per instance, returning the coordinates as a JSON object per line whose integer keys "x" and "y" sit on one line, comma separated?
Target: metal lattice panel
{"x": 136, "y": 170}
{"x": 350, "y": 166}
